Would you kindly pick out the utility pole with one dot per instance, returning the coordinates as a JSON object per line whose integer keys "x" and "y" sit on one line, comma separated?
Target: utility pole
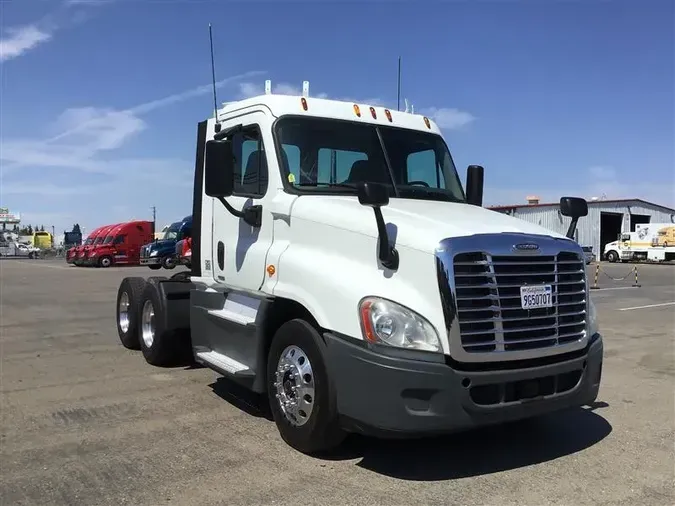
{"x": 154, "y": 214}
{"x": 398, "y": 87}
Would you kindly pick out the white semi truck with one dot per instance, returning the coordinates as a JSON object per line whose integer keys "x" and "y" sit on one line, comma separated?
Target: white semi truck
{"x": 340, "y": 267}
{"x": 649, "y": 241}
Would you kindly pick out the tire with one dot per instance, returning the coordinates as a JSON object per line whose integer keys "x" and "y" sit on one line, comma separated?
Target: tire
{"x": 155, "y": 267}
{"x": 105, "y": 261}
{"x": 159, "y": 346}
{"x": 129, "y": 296}
{"x": 612, "y": 256}
{"x": 169, "y": 262}
{"x": 320, "y": 430}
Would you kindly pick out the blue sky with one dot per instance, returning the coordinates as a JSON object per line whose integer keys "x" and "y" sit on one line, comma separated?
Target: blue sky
{"x": 100, "y": 100}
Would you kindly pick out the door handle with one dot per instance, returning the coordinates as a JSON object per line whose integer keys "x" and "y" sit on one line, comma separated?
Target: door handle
{"x": 221, "y": 255}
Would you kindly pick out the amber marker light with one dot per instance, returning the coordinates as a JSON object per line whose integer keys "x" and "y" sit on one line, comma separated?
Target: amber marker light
{"x": 357, "y": 111}
{"x": 303, "y": 101}
{"x": 271, "y": 270}
{"x": 387, "y": 113}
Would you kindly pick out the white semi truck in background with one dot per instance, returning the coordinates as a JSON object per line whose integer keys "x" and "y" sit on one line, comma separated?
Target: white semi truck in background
{"x": 650, "y": 241}
{"x": 340, "y": 267}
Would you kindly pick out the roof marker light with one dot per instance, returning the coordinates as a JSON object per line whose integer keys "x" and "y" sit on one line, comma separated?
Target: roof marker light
{"x": 303, "y": 101}
{"x": 373, "y": 113}
{"x": 426, "y": 122}
{"x": 357, "y": 111}
{"x": 387, "y": 113}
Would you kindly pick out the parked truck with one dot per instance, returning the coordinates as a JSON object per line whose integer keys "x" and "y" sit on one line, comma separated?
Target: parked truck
{"x": 340, "y": 267}
{"x": 649, "y": 241}
{"x": 122, "y": 244}
{"x": 161, "y": 252}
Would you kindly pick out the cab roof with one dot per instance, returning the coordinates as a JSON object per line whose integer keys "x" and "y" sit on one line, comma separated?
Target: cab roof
{"x": 283, "y": 105}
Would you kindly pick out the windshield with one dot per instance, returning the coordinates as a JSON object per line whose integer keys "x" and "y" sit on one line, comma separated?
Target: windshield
{"x": 108, "y": 239}
{"x": 172, "y": 231}
{"x": 99, "y": 240}
{"x": 322, "y": 154}
{"x": 89, "y": 241}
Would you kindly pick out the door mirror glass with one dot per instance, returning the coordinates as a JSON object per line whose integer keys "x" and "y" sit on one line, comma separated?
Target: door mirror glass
{"x": 474, "y": 184}
{"x": 219, "y": 168}
{"x": 373, "y": 194}
{"x": 573, "y": 207}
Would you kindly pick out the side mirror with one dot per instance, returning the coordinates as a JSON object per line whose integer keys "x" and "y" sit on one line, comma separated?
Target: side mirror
{"x": 474, "y": 185}
{"x": 575, "y": 208}
{"x": 219, "y": 168}
{"x": 376, "y": 195}
{"x": 373, "y": 195}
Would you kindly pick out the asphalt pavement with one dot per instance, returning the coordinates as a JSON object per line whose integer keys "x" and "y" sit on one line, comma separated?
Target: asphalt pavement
{"x": 87, "y": 422}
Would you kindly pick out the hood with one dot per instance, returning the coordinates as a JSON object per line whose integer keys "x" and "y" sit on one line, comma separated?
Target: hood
{"x": 420, "y": 224}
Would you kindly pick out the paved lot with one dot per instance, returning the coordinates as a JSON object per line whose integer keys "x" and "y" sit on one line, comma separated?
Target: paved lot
{"x": 85, "y": 421}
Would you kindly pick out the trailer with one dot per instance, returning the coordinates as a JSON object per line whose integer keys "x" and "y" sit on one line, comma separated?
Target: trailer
{"x": 340, "y": 267}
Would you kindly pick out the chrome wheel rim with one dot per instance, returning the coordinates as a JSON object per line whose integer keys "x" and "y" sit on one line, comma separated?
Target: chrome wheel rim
{"x": 123, "y": 308}
{"x": 294, "y": 384}
{"x": 105, "y": 262}
{"x": 148, "y": 323}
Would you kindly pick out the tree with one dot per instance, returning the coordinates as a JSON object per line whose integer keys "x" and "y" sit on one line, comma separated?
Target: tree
{"x": 42, "y": 228}
{"x": 29, "y": 230}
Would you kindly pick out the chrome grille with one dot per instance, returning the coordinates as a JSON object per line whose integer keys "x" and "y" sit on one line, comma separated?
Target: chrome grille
{"x": 491, "y": 319}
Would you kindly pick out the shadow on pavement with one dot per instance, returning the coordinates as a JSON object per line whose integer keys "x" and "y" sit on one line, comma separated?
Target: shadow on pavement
{"x": 472, "y": 453}
{"x": 482, "y": 451}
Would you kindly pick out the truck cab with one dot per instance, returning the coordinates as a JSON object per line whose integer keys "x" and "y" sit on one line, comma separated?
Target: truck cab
{"x": 340, "y": 266}
{"x": 84, "y": 250}
{"x": 161, "y": 252}
{"x": 122, "y": 245}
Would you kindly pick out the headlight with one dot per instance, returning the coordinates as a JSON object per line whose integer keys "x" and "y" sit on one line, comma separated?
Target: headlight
{"x": 153, "y": 253}
{"x": 384, "y": 321}
{"x": 593, "y": 327}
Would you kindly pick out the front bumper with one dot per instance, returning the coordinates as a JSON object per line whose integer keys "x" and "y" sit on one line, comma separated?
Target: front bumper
{"x": 390, "y": 396}
{"x": 151, "y": 261}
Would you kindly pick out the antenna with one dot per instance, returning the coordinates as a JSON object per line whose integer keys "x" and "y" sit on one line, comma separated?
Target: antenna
{"x": 213, "y": 77}
{"x": 398, "y": 89}
{"x": 406, "y": 104}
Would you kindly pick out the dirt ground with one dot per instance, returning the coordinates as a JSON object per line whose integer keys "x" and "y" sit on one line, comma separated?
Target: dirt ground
{"x": 87, "y": 422}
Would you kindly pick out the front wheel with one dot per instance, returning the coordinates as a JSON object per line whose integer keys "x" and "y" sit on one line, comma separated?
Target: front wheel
{"x": 612, "y": 256}
{"x": 105, "y": 261}
{"x": 169, "y": 262}
{"x": 300, "y": 391}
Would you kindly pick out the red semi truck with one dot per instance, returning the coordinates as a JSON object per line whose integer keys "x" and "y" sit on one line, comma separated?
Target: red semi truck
{"x": 83, "y": 252}
{"x": 72, "y": 253}
{"x": 122, "y": 244}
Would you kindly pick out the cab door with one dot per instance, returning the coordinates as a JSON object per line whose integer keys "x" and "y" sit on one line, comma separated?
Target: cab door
{"x": 239, "y": 249}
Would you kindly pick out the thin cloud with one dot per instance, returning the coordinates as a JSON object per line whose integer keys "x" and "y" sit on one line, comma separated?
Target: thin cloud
{"x": 449, "y": 118}
{"x": 20, "y": 40}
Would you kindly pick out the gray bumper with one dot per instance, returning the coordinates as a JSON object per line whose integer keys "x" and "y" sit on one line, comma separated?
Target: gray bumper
{"x": 390, "y": 396}
{"x": 151, "y": 261}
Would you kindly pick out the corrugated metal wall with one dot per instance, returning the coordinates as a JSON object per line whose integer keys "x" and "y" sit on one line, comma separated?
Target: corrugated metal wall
{"x": 588, "y": 229}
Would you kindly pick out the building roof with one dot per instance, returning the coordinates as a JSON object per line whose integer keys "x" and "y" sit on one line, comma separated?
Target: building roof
{"x": 590, "y": 203}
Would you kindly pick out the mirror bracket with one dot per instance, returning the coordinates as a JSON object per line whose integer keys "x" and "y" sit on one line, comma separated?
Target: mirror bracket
{"x": 251, "y": 215}
{"x": 387, "y": 253}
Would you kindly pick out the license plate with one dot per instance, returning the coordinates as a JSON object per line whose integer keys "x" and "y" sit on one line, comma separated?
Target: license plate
{"x": 536, "y": 296}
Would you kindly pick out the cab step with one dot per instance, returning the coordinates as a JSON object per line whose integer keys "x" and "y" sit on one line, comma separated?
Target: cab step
{"x": 224, "y": 363}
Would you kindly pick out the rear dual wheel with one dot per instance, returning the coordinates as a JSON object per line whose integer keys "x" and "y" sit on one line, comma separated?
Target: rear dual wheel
{"x": 129, "y": 296}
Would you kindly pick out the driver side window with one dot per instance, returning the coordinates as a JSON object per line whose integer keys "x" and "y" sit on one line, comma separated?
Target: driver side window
{"x": 250, "y": 171}
{"x": 423, "y": 167}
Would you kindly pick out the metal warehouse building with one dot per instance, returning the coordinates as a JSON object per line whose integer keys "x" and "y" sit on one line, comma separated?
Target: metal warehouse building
{"x": 605, "y": 221}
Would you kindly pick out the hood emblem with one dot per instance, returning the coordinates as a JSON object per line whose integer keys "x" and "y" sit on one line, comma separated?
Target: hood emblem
{"x": 526, "y": 246}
